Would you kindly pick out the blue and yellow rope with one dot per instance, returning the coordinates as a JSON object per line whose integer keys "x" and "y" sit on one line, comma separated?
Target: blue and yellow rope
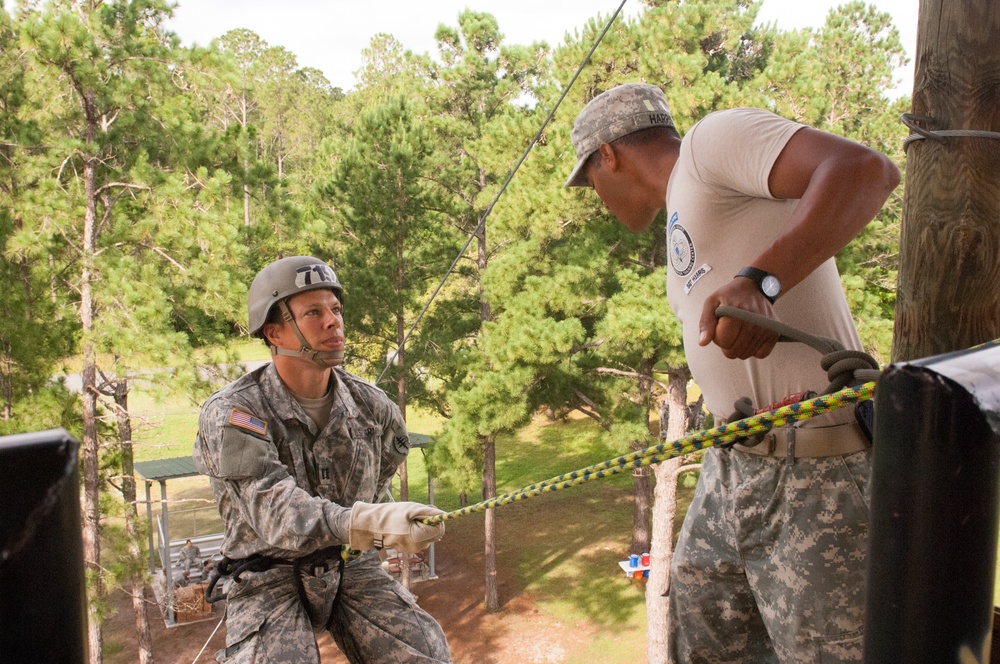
{"x": 694, "y": 442}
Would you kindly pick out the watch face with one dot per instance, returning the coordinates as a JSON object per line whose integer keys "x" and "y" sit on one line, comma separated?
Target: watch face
{"x": 770, "y": 285}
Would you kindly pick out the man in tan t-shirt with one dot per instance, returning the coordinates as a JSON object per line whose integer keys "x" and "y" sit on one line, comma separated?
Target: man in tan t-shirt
{"x": 771, "y": 559}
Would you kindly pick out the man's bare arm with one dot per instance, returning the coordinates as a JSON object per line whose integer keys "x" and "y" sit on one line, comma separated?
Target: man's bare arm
{"x": 841, "y": 185}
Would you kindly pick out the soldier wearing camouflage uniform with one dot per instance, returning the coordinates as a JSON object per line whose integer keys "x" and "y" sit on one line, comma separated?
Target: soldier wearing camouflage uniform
{"x": 770, "y": 563}
{"x": 299, "y": 452}
{"x": 189, "y": 556}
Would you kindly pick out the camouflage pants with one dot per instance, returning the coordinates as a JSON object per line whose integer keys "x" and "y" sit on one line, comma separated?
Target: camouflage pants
{"x": 770, "y": 565}
{"x": 374, "y": 619}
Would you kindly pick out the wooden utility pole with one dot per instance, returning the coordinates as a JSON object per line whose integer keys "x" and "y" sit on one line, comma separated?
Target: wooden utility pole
{"x": 948, "y": 295}
{"x": 934, "y": 473}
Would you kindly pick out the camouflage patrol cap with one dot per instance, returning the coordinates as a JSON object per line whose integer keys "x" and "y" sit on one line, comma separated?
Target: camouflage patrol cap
{"x": 282, "y": 279}
{"x": 613, "y": 114}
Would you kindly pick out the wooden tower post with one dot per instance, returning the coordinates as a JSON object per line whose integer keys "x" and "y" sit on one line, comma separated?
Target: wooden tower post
{"x": 948, "y": 295}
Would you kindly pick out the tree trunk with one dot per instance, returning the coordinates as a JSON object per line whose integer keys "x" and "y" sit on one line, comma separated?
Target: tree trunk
{"x": 490, "y": 491}
{"x": 244, "y": 117}
{"x": 664, "y": 512}
{"x": 641, "y": 509}
{"x": 7, "y": 379}
{"x": 246, "y": 205}
{"x": 404, "y": 477}
{"x": 91, "y": 448}
{"x": 400, "y": 361}
{"x": 948, "y": 293}
{"x": 488, "y": 443}
{"x": 135, "y": 582}
{"x": 641, "y": 489}
{"x": 6, "y": 347}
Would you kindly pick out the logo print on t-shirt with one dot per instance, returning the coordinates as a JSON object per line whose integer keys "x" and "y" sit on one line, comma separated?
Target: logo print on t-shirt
{"x": 680, "y": 246}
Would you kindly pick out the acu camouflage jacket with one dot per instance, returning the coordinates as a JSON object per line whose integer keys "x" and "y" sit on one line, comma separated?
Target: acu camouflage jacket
{"x": 283, "y": 486}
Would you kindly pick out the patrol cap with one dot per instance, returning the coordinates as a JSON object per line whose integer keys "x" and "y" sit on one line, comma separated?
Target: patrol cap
{"x": 284, "y": 278}
{"x": 613, "y": 114}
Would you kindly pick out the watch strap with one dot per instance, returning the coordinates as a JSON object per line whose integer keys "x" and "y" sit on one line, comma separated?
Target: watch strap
{"x": 756, "y": 275}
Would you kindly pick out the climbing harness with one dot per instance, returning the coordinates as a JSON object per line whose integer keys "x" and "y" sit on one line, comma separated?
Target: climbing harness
{"x": 317, "y": 562}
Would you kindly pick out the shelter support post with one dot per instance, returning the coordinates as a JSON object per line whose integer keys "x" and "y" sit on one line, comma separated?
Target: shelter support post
{"x": 430, "y": 550}
{"x": 935, "y": 477}
{"x": 149, "y": 530}
{"x": 168, "y": 568}
{"x": 43, "y": 596}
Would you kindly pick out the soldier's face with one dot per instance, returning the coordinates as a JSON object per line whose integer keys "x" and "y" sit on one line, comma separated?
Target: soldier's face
{"x": 320, "y": 319}
{"x": 615, "y": 185}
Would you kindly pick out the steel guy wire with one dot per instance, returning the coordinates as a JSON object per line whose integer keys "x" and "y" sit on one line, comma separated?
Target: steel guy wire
{"x": 510, "y": 176}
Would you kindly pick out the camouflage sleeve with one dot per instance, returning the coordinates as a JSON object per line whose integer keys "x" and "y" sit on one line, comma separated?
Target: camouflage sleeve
{"x": 395, "y": 446}
{"x": 259, "y": 487}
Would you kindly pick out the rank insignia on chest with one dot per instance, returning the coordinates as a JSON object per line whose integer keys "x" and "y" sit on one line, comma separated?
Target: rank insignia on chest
{"x": 247, "y": 421}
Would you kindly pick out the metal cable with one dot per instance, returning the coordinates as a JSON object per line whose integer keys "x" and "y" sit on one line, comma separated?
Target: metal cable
{"x": 938, "y": 135}
{"x": 510, "y": 176}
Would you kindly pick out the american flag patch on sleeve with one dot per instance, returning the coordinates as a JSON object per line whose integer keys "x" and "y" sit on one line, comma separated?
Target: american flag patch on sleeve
{"x": 247, "y": 421}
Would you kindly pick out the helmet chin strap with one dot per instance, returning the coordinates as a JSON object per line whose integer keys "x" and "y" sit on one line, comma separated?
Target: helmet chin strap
{"x": 322, "y": 358}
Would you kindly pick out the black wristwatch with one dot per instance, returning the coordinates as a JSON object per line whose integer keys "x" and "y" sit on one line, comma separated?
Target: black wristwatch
{"x": 768, "y": 284}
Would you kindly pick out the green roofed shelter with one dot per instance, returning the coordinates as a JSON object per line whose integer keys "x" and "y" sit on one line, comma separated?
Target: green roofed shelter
{"x": 166, "y": 469}
{"x": 161, "y": 470}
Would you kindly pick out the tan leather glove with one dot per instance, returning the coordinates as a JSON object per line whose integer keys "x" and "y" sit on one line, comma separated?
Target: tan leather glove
{"x": 393, "y": 525}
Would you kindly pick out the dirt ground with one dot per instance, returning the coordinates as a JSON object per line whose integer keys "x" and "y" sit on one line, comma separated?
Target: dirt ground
{"x": 517, "y": 634}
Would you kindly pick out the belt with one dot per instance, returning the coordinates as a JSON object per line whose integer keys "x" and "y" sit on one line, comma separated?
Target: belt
{"x": 803, "y": 443}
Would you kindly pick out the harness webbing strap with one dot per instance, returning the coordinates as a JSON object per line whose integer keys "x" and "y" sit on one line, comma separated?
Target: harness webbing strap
{"x": 258, "y": 563}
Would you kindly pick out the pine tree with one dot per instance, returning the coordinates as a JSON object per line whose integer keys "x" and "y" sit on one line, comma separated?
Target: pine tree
{"x": 124, "y": 205}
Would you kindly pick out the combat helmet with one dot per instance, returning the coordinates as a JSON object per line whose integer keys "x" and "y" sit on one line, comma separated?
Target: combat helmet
{"x": 281, "y": 280}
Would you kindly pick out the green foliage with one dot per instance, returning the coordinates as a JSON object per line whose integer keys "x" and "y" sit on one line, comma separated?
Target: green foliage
{"x": 35, "y": 331}
{"x": 49, "y": 407}
{"x": 391, "y": 248}
{"x": 478, "y": 128}
{"x": 210, "y": 163}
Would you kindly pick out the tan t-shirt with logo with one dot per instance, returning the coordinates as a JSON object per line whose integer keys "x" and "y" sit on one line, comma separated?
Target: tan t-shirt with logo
{"x": 720, "y": 216}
